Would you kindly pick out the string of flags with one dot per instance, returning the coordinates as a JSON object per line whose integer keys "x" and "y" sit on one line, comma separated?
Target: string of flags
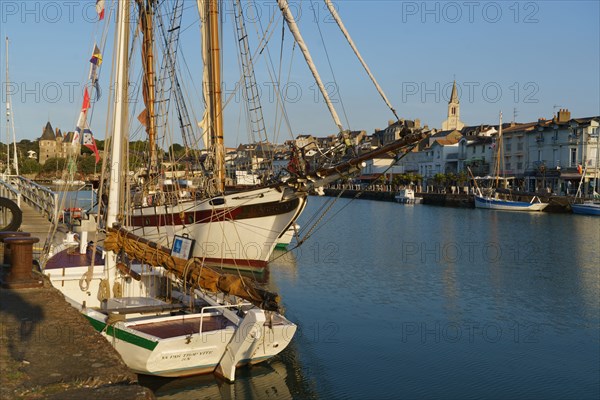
{"x": 83, "y": 134}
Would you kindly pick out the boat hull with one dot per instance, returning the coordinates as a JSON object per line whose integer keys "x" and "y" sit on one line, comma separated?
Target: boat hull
{"x": 167, "y": 344}
{"x": 186, "y": 355}
{"x": 507, "y": 205}
{"x": 586, "y": 209}
{"x": 239, "y": 230}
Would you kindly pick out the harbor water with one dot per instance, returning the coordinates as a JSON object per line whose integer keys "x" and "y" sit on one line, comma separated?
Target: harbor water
{"x": 411, "y": 301}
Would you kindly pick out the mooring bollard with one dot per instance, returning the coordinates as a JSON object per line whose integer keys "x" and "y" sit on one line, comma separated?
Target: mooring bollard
{"x": 6, "y": 251}
{"x": 21, "y": 275}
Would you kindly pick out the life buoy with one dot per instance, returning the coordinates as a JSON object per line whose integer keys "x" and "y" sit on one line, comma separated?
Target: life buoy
{"x": 75, "y": 212}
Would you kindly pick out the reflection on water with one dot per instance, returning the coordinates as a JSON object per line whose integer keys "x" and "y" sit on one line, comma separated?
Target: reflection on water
{"x": 259, "y": 382}
{"x": 277, "y": 379}
{"x": 430, "y": 302}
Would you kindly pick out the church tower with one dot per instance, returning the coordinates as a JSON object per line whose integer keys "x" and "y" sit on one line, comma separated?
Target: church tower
{"x": 453, "y": 121}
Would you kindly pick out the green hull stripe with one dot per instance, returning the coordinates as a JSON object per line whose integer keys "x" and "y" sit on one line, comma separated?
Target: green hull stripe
{"x": 123, "y": 335}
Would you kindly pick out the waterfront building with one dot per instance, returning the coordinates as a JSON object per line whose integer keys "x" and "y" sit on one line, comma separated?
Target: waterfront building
{"x": 550, "y": 155}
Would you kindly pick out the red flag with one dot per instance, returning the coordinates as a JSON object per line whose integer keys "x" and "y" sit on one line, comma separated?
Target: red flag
{"x": 86, "y": 100}
{"x": 90, "y": 143}
{"x": 100, "y": 9}
{"x": 579, "y": 169}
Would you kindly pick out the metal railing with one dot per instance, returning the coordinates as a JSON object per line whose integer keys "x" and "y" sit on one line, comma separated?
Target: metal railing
{"x": 41, "y": 198}
{"x": 8, "y": 190}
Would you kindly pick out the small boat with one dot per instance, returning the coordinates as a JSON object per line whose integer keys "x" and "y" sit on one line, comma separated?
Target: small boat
{"x": 587, "y": 208}
{"x": 406, "y": 196}
{"x": 284, "y": 240}
{"x": 491, "y": 199}
{"x": 509, "y": 205}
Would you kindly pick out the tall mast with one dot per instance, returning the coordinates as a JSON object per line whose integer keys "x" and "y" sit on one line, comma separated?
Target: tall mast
{"x": 215, "y": 96}
{"x": 149, "y": 89}
{"x": 499, "y": 152}
{"x": 118, "y": 170}
{"x": 7, "y": 115}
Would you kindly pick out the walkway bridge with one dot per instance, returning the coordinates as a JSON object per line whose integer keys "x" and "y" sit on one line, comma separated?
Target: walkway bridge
{"x": 37, "y": 209}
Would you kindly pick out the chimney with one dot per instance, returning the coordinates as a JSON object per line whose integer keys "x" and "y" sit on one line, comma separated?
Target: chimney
{"x": 417, "y": 123}
{"x": 564, "y": 115}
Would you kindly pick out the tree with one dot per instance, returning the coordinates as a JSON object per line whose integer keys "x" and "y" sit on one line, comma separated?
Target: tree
{"x": 86, "y": 165}
{"x": 54, "y": 166}
{"x": 29, "y": 166}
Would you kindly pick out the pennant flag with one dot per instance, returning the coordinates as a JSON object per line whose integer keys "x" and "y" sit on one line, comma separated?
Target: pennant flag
{"x": 90, "y": 143}
{"x": 143, "y": 117}
{"x": 86, "y": 100}
{"x": 96, "y": 56}
{"x": 79, "y": 128}
{"x": 95, "y": 61}
{"x": 100, "y": 9}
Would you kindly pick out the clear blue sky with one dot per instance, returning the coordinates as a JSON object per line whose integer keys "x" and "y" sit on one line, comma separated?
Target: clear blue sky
{"x": 532, "y": 56}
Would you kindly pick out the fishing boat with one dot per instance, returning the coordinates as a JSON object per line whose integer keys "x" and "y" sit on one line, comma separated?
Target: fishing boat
{"x": 491, "y": 200}
{"x": 163, "y": 310}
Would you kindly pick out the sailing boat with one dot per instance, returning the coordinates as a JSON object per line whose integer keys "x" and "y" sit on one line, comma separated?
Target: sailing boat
{"x": 237, "y": 228}
{"x": 165, "y": 313}
{"x": 492, "y": 201}
{"x": 589, "y": 207}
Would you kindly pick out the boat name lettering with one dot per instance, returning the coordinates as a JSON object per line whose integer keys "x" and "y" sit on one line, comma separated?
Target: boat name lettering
{"x": 187, "y": 355}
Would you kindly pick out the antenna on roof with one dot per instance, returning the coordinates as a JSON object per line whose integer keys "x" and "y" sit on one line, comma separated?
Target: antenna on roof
{"x": 554, "y": 108}
{"x": 515, "y": 113}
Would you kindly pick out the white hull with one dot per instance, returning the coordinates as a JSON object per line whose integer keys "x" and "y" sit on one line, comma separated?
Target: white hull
{"x": 240, "y": 229}
{"x": 217, "y": 338}
{"x": 507, "y": 205}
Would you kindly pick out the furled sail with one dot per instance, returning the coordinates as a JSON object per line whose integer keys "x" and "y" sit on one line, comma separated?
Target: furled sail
{"x": 192, "y": 271}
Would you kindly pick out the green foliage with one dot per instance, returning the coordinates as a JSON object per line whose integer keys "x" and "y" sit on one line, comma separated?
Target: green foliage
{"x": 54, "y": 165}
{"x": 87, "y": 165}
{"x": 29, "y": 166}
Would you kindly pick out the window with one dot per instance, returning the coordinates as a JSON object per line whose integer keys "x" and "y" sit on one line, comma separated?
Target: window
{"x": 508, "y": 147}
{"x": 520, "y": 146}
{"x": 519, "y": 165}
{"x": 573, "y": 157}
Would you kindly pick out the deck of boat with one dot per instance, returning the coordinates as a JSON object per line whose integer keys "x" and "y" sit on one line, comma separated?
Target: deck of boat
{"x": 183, "y": 326}
{"x": 71, "y": 258}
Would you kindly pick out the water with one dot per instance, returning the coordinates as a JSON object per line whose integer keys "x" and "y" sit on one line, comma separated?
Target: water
{"x": 397, "y": 301}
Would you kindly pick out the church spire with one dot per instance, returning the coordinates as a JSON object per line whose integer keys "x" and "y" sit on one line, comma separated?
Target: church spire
{"x": 453, "y": 120}
{"x": 454, "y": 95}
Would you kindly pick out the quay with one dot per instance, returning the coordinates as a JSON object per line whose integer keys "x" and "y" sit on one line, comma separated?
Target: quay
{"x": 48, "y": 350}
{"x": 557, "y": 204}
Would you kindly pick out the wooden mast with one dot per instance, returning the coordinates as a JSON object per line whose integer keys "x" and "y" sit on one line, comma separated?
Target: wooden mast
{"x": 149, "y": 88}
{"x": 215, "y": 95}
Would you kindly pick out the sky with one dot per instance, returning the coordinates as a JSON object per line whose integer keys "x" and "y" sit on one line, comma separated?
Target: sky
{"x": 526, "y": 59}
